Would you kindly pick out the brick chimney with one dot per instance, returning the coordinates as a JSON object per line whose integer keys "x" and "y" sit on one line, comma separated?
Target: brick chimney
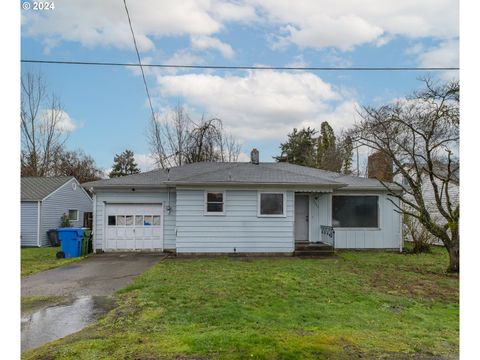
{"x": 254, "y": 156}
{"x": 380, "y": 167}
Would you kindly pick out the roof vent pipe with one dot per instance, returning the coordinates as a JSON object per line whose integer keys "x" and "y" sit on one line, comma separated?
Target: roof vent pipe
{"x": 254, "y": 156}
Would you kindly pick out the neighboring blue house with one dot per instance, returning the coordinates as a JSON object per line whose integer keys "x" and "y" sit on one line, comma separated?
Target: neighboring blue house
{"x": 254, "y": 207}
{"x": 45, "y": 200}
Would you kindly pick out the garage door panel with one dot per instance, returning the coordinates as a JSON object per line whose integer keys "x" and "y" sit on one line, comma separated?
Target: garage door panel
{"x": 134, "y": 226}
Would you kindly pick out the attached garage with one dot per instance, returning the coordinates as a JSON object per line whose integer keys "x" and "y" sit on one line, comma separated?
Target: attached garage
{"x": 134, "y": 226}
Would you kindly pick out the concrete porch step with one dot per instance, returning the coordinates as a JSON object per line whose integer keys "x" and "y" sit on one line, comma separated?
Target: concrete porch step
{"x": 313, "y": 253}
{"x": 306, "y": 248}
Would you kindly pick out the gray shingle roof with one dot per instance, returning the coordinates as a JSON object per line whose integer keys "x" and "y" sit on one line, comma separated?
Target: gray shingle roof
{"x": 37, "y": 188}
{"x": 239, "y": 173}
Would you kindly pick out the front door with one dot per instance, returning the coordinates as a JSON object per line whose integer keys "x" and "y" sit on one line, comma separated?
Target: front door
{"x": 301, "y": 217}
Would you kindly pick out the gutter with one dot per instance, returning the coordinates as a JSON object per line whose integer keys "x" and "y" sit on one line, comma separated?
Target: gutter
{"x": 166, "y": 185}
{"x": 370, "y": 188}
{"x": 94, "y": 222}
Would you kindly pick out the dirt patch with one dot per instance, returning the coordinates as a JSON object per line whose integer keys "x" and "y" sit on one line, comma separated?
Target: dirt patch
{"x": 429, "y": 287}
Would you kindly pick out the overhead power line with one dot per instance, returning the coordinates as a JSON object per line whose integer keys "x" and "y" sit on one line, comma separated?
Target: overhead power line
{"x": 227, "y": 67}
{"x": 139, "y": 60}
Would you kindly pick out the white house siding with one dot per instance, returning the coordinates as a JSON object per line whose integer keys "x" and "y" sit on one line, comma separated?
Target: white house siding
{"x": 58, "y": 203}
{"x": 29, "y": 221}
{"x": 386, "y": 236}
{"x": 429, "y": 198}
{"x": 137, "y": 197}
{"x": 430, "y": 202}
{"x": 239, "y": 228}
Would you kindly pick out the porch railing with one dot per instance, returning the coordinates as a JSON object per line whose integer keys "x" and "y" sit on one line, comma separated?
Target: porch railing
{"x": 327, "y": 235}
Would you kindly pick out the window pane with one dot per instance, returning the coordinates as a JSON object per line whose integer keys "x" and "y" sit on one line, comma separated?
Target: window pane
{"x": 129, "y": 220}
{"x": 139, "y": 220}
{"x": 73, "y": 214}
{"x": 148, "y": 220}
{"x": 271, "y": 204}
{"x": 156, "y": 220}
{"x": 214, "y": 207}
{"x": 355, "y": 211}
{"x": 214, "y": 197}
{"x": 111, "y": 220}
{"x": 120, "y": 220}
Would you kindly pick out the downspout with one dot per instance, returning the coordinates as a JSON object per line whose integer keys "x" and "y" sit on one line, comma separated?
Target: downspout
{"x": 94, "y": 222}
{"x": 39, "y": 209}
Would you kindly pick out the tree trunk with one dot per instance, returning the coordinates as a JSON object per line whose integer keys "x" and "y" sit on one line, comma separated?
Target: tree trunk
{"x": 454, "y": 253}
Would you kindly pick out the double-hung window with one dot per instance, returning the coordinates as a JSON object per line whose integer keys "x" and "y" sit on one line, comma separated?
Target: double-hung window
{"x": 215, "y": 202}
{"x": 73, "y": 215}
{"x": 271, "y": 204}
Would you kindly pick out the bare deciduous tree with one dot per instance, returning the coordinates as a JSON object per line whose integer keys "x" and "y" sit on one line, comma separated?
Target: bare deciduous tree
{"x": 78, "y": 164}
{"x": 421, "y": 136}
{"x": 176, "y": 140}
{"x": 42, "y": 137}
{"x": 417, "y": 233}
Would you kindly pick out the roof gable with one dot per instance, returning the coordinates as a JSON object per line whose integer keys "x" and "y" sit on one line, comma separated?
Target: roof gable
{"x": 38, "y": 188}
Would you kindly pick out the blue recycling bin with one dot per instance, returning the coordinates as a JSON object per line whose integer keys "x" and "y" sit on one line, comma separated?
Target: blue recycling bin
{"x": 71, "y": 241}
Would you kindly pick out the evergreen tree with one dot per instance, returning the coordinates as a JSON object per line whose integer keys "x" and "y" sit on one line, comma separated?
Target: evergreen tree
{"x": 347, "y": 155}
{"x": 300, "y": 148}
{"x": 322, "y": 152}
{"x": 124, "y": 164}
{"x": 328, "y": 157}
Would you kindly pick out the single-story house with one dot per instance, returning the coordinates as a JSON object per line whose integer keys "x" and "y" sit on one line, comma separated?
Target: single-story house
{"x": 44, "y": 200}
{"x": 213, "y": 207}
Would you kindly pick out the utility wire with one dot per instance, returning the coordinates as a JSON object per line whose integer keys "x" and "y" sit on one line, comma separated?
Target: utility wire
{"x": 139, "y": 60}
{"x": 226, "y": 67}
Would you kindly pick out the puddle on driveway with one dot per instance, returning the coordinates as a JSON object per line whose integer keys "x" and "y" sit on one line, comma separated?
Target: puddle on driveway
{"x": 55, "y": 322}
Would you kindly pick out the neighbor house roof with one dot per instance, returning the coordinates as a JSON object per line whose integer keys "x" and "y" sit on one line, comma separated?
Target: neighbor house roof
{"x": 38, "y": 188}
{"x": 218, "y": 173}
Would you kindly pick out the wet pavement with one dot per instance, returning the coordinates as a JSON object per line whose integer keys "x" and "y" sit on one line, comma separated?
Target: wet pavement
{"x": 98, "y": 275}
{"x": 58, "y": 321}
{"x": 88, "y": 284}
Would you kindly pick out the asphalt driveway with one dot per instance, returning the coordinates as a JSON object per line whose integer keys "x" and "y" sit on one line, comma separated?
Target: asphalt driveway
{"x": 99, "y": 275}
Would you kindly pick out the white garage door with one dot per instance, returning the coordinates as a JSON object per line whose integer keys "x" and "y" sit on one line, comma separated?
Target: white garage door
{"x": 134, "y": 226}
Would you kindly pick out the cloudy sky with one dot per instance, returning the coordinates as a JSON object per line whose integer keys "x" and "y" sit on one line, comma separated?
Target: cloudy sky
{"x": 107, "y": 109}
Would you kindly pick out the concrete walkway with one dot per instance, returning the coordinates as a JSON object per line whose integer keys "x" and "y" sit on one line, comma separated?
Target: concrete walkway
{"x": 99, "y": 275}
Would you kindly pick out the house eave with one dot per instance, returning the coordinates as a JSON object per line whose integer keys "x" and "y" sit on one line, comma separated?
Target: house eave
{"x": 370, "y": 188}
{"x": 165, "y": 185}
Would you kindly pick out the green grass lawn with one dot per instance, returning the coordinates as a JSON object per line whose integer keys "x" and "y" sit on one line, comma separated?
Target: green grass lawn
{"x": 368, "y": 304}
{"x": 38, "y": 259}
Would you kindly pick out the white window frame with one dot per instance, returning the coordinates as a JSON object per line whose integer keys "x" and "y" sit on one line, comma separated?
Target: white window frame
{"x": 205, "y": 203}
{"x": 379, "y": 214}
{"x": 259, "y": 207}
{"x": 78, "y": 214}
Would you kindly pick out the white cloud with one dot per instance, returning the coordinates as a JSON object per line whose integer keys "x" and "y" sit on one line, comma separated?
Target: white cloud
{"x": 342, "y": 24}
{"x": 184, "y": 57}
{"x": 145, "y": 162}
{"x": 227, "y": 11}
{"x": 262, "y": 104}
{"x": 243, "y": 157}
{"x": 207, "y": 42}
{"x": 64, "y": 122}
{"x": 445, "y": 54}
{"x": 298, "y": 61}
{"x": 102, "y": 23}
